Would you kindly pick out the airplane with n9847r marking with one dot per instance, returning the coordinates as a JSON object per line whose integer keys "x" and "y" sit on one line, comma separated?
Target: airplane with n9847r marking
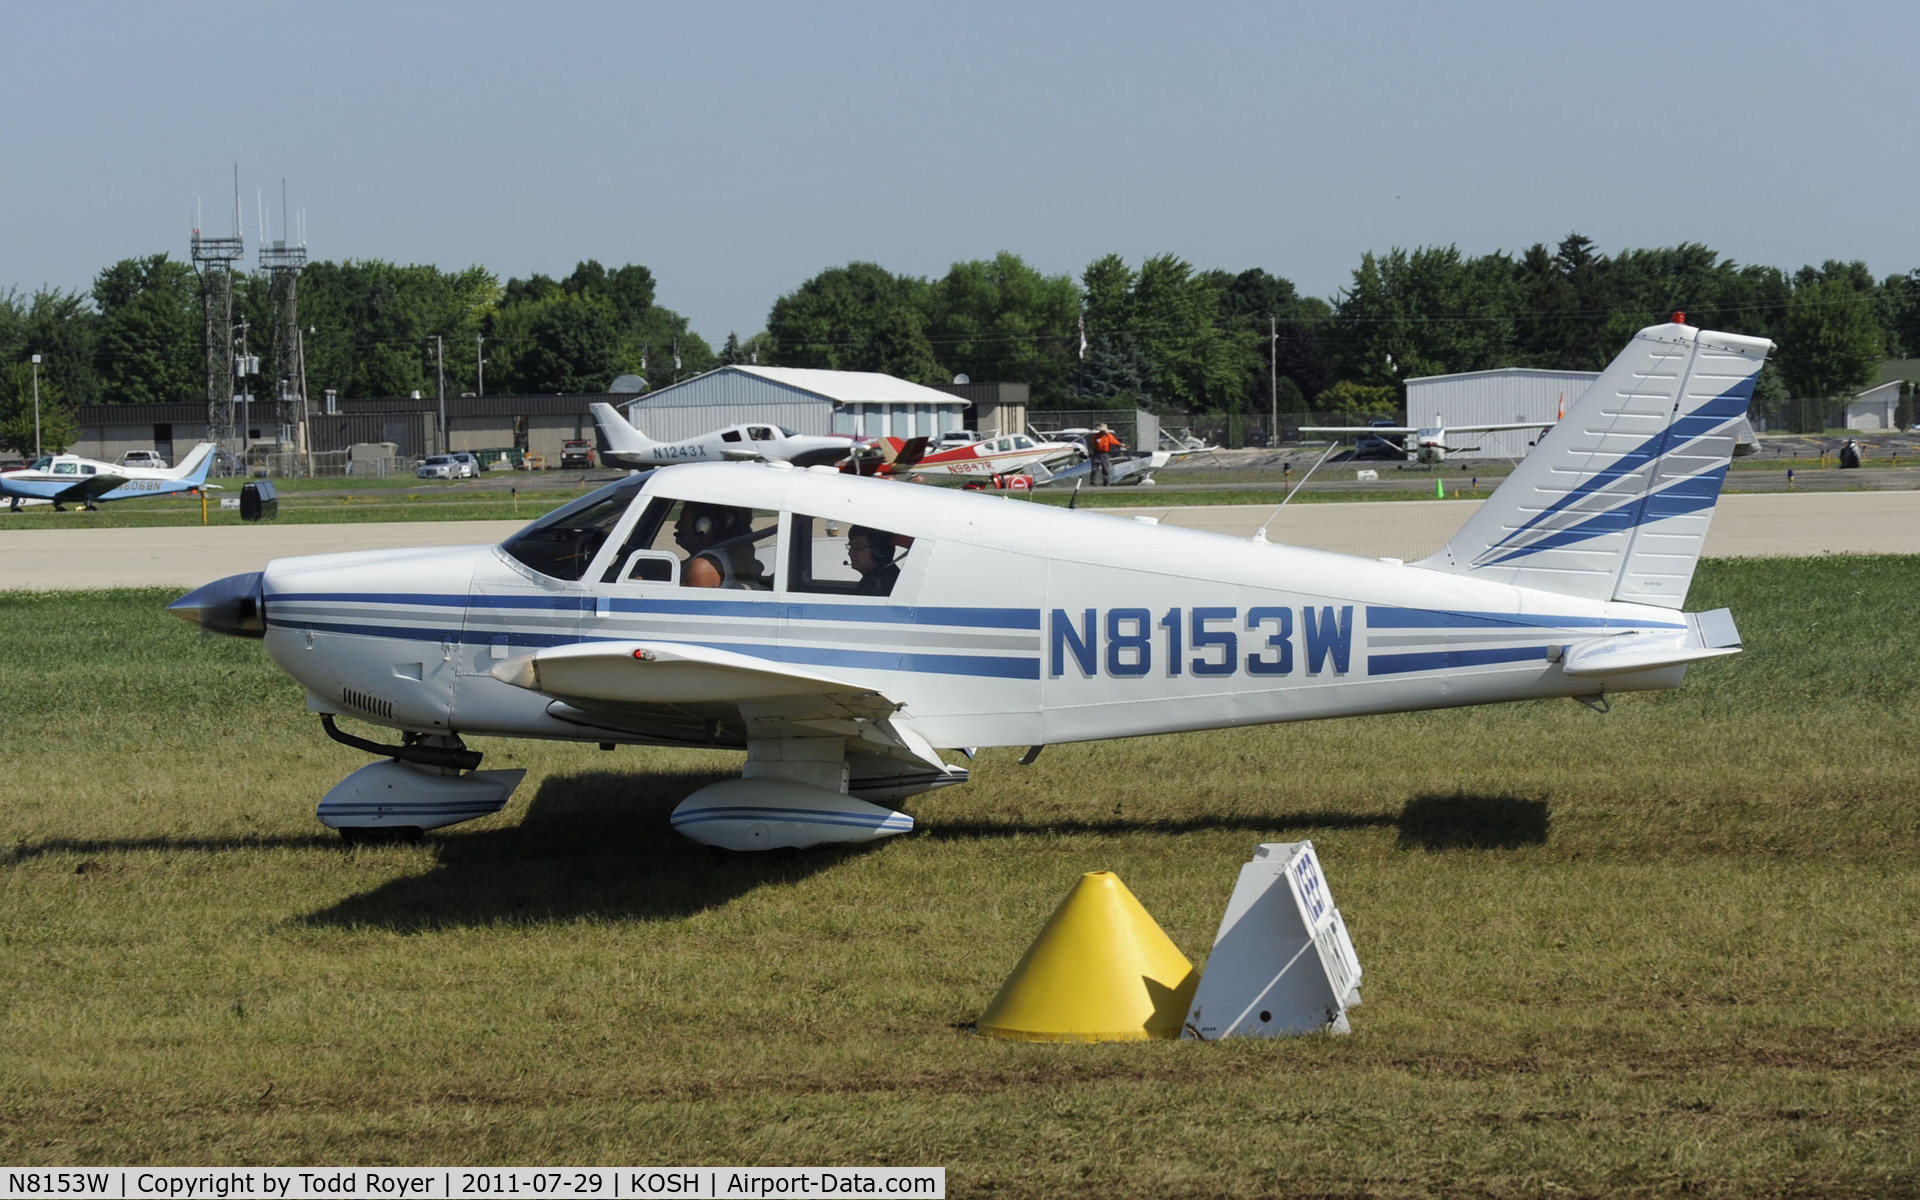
{"x": 860, "y": 629}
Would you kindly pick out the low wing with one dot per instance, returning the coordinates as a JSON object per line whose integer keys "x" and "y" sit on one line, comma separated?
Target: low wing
{"x": 679, "y": 693}
{"x": 89, "y": 488}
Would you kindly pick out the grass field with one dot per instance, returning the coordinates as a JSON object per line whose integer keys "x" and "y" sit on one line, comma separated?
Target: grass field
{"x": 1671, "y": 949}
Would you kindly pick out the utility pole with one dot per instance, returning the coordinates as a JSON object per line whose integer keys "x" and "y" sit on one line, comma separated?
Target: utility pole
{"x": 36, "y": 407}
{"x": 480, "y": 364}
{"x": 1273, "y": 379}
{"x": 245, "y": 367}
{"x": 440, "y": 369}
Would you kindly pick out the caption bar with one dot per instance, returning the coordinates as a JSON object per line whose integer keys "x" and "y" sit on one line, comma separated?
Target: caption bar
{"x": 442, "y": 1183}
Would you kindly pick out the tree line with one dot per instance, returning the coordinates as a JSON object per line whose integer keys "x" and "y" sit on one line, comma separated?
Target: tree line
{"x": 1211, "y": 346}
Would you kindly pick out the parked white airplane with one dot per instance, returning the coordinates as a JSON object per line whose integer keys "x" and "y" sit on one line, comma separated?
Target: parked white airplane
{"x": 622, "y": 445}
{"x": 65, "y": 479}
{"x": 1425, "y": 443}
{"x": 964, "y": 620}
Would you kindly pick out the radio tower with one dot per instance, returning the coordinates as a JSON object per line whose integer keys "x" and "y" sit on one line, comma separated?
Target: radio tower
{"x": 213, "y": 258}
{"x": 282, "y": 263}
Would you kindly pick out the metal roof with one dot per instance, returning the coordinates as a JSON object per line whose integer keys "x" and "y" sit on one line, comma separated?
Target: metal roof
{"x": 841, "y": 387}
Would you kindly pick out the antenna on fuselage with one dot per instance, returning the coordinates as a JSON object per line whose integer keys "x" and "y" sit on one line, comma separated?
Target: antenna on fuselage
{"x": 1260, "y": 534}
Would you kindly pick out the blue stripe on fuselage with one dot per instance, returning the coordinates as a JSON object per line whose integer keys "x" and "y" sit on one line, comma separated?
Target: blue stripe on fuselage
{"x": 1423, "y": 618}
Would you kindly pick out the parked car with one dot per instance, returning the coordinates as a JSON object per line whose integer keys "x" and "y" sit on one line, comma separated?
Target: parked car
{"x": 576, "y": 452}
{"x": 143, "y": 458}
{"x": 446, "y": 466}
{"x": 1377, "y": 445}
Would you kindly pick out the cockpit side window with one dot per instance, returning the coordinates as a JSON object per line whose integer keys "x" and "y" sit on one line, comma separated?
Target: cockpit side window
{"x": 739, "y": 547}
{"x": 837, "y": 558}
{"x": 760, "y": 433}
{"x": 562, "y": 544}
{"x": 66, "y": 468}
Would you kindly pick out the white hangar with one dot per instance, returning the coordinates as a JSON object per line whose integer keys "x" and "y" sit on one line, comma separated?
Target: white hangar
{"x": 813, "y": 401}
{"x": 1497, "y": 397}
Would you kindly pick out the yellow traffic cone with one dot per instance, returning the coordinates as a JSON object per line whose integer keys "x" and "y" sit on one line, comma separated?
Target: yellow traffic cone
{"x": 1101, "y": 971}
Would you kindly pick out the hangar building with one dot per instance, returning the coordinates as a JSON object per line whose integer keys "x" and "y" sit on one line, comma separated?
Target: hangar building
{"x": 1495, "y": 398}
{"x": 813, "y": 401}
{"x": 807, "y": 401}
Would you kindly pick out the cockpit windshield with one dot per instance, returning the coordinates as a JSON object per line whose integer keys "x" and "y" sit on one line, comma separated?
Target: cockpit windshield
{"x": 562, "y": 544}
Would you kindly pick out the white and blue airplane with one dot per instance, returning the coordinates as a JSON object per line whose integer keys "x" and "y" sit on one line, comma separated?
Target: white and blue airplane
{"x": 623, "y": 445}
{"x": 67, "y": 479}
{"x": 959, "y": 621}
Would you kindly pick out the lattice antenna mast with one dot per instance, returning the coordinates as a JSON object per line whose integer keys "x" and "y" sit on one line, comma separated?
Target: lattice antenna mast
{"x": 283, "y": 260}
{"x": 213, "y": 258}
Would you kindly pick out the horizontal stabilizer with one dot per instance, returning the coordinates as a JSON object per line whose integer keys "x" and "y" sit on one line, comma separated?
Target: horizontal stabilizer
{"x": 1707, "y": 635}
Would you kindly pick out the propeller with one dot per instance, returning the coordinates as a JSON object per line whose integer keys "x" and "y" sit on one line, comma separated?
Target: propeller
{"x": 235, "y": 606}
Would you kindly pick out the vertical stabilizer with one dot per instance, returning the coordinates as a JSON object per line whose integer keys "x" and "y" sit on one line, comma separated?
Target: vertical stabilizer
{"x": 616, "y": 435}
{"x": 1613, "y": 503}
{"x": 195, "y": 465}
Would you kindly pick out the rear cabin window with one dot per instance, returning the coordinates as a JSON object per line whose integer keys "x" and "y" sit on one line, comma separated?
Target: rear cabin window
{"x": 836, "y": 558}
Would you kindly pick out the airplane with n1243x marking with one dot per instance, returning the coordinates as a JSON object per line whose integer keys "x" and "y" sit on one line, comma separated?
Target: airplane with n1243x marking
{"x": 845, "y": 632}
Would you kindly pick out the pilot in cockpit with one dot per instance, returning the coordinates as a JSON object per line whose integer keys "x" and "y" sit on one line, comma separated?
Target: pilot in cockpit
{"x": 718, "y": 538}
{"x": 871, "y": 553}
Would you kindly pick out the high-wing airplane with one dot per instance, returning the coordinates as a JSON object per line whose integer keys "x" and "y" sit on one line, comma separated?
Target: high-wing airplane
{"x": 1003, "y": 455}
{"x": 1426, "y": 443}
{"x": 624, "y": 446}
{"x": 863, "y": 628}
{"x": 70, "y": 479}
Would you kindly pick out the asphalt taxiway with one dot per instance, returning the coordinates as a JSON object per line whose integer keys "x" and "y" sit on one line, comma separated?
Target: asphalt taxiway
{"x": 1764, "y": 525}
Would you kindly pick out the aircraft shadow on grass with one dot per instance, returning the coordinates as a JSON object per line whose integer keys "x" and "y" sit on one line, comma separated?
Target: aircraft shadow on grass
{"x": 1460, "y": 821}
{"x": 599, "y": 845}
{"x": 596, "y": 844}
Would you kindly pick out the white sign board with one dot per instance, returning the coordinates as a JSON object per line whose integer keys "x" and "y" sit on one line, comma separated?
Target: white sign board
{"x": 229, "y": 502}
{"x": 1282, "y": 962}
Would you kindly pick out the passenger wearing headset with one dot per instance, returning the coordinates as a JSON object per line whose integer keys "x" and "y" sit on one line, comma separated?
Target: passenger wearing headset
{"x": 722, "y": 553}
{"x": 870, "y": 552}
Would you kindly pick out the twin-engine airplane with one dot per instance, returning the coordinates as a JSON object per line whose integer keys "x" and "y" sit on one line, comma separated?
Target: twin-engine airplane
{"x": 622, "y": 445}
{"x": 70, "y": 479}
{"x": 861, "y": 628}
{"x": 1425, "y": 443}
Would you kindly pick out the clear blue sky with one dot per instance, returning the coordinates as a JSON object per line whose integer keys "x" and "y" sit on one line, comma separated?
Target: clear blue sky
{"x": 737, "y": 149}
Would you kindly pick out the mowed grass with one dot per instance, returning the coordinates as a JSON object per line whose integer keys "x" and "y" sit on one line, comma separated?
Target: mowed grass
{"x": 1669, "y": 949}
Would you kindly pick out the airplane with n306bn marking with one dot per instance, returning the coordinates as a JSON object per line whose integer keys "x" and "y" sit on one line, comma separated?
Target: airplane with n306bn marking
{"x": 845, "y": 632}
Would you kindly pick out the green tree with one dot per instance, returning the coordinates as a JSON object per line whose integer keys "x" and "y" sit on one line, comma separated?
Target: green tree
{"x": 568, "y": 342}
{"x": 1173, "y": 318}
{"x": 57, "y": 427}
{"x": 999, "y": 319}
{"x": 859, "y": 317}
{"x": 1429, "y": 311}
{"x": 1357, "y": 402}
{"x": 371, "y": 325}
{"x": 149, "y": 347}
{"x": 1830, "y": 340}
{"x": 62, "y": 328}
{"x": 1898, "y": 306}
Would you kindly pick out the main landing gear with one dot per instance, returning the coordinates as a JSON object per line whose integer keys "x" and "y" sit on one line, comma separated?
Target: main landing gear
{"x": 427, "y": 781}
